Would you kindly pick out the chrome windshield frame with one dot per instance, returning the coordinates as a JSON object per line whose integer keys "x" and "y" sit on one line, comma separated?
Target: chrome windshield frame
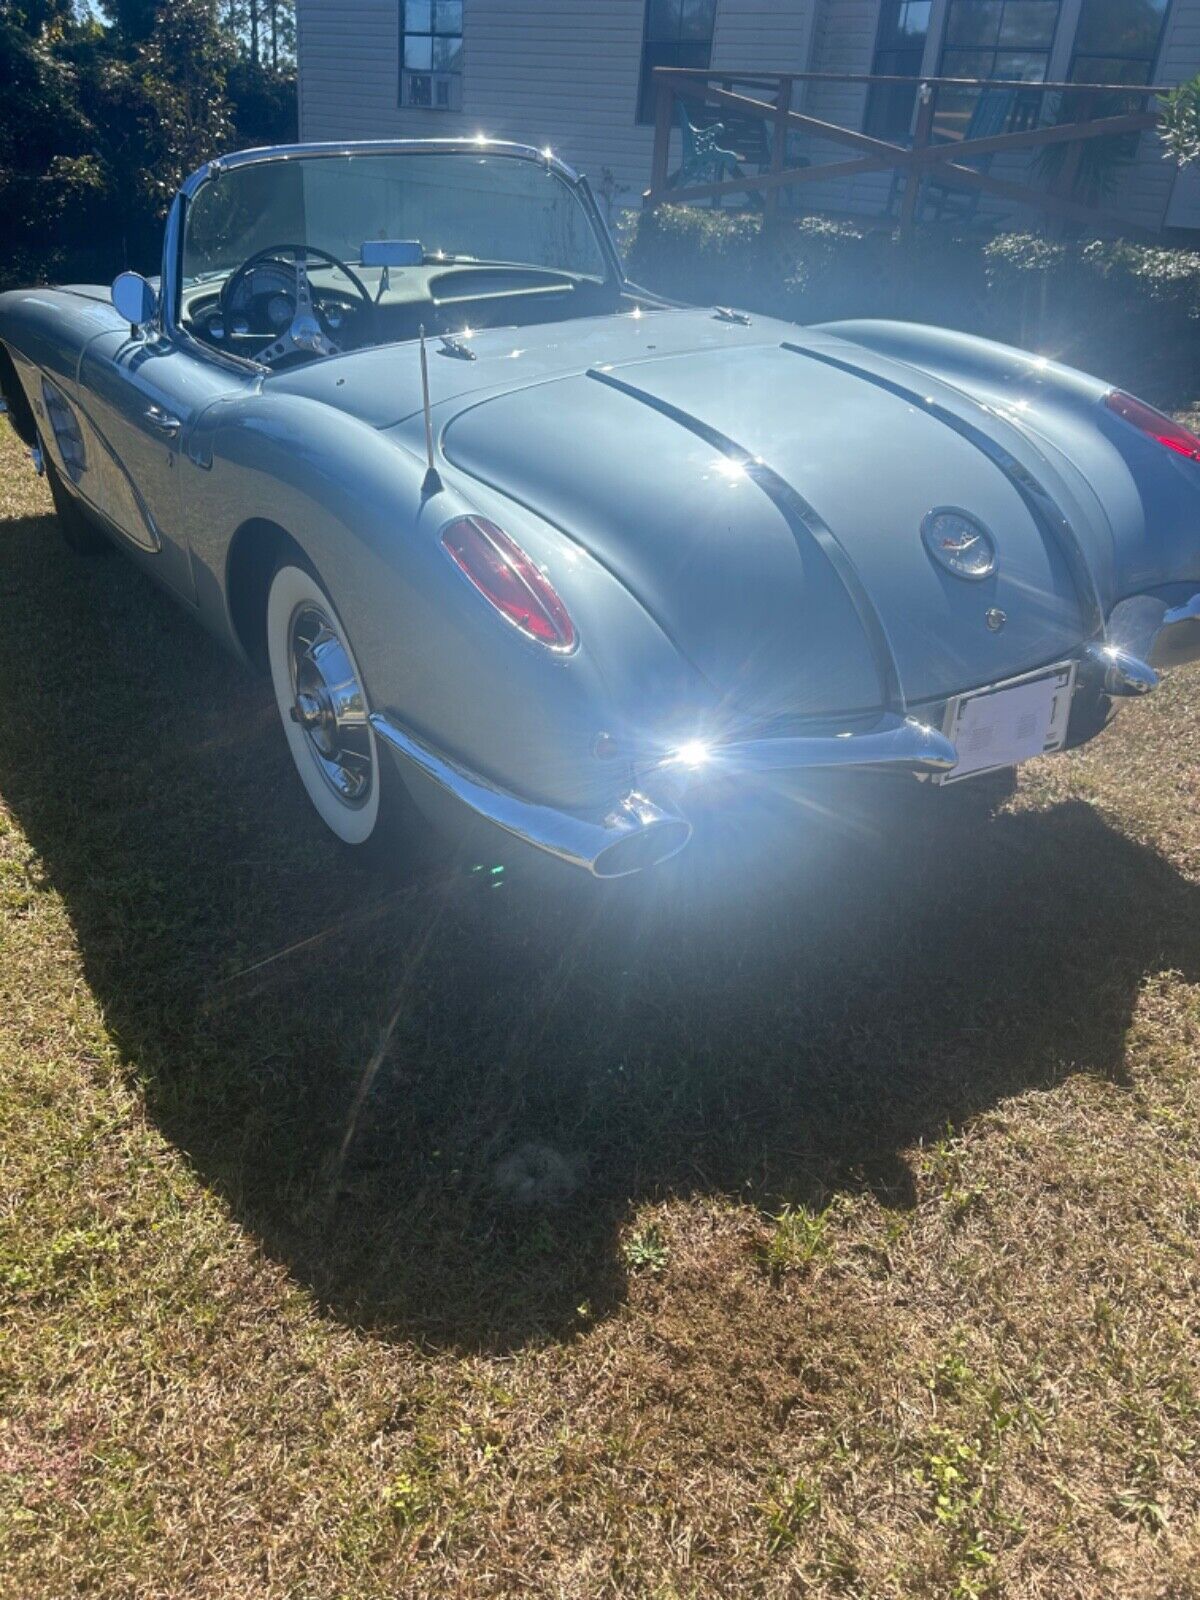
{"x": 172, "y": 265}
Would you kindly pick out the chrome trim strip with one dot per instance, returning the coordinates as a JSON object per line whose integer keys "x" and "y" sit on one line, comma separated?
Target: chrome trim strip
{"x": 1040, "y": 502}
{"x": 603, "y": 232}
{"x": 169, "y": 291}
{"x": 579, "y": 841}
{"x": 894, "y": 741}
{"x": 153, "y": 542}
{"x": 375, "y": 147}
{"x": 801, "y": 518}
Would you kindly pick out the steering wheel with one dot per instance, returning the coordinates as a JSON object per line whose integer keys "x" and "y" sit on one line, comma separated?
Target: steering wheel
{"x": 308, "y": 333}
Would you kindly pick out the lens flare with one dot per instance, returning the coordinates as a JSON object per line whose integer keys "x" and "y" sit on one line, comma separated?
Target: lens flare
{"x": 692, "y": 753}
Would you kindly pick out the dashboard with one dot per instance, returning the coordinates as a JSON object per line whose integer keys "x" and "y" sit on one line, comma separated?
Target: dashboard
{"x": 442, "y": 297}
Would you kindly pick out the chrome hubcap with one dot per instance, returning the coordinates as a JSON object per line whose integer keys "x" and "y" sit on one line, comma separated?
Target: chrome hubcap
{"x": 329, "y": 706}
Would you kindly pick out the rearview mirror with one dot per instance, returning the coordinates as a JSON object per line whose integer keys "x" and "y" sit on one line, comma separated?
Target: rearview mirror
{"x": 391, "y": 253}
{"x": 134, "y": 299}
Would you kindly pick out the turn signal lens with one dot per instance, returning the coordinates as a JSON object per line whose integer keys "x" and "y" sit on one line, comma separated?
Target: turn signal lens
{"x": 1165, "y": 429}
{"x": 506, "y": 576}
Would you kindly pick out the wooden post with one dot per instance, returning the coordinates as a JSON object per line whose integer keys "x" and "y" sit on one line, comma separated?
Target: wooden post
{"x": 663, "y": 106}
{"x": 1068, "y": 175}
{"x": 783, "y": 104}
{"x": 922, "y": 134}
{"x": 1064, "y": 184}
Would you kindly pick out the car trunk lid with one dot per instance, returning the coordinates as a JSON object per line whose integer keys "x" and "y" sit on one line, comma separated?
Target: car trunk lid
{"x": 639, "y": 461}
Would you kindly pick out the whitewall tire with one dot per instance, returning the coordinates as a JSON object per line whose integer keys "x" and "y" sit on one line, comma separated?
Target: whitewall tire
{"x": 323, "y": 706}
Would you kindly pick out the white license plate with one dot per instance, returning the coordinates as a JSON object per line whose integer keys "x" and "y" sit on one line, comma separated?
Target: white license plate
{"x": 1009, "y": 722}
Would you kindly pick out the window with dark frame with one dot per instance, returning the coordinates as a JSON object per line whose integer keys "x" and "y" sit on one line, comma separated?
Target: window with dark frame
{"x": 1117, "y": 41}
{"x": 1008, "y": 39}
{"x": 677, "y": 33}
{"x": 899, "y": 51}
{"x": 431, "y": 53}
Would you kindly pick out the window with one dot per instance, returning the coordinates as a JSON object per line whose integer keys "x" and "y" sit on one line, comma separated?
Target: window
{"x": 496, "y": 208}
{"x": 899, "y": 48}
{"x": 679, "y": 33}
{"x": 993, "y": 39}
{"x": 1117, "y": 41}
{"x": 431, "y": 49}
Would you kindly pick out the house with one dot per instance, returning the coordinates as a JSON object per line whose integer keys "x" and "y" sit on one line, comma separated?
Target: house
{"x": 576, "y": 75}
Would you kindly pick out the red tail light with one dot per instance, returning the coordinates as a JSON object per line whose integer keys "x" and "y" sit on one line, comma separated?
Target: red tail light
{"x": 502, "y": 572}
{"x": 1165, "y": 429}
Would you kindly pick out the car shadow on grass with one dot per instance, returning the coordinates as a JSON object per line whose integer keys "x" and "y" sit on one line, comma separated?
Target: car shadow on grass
{"x": 437, "y": 1102}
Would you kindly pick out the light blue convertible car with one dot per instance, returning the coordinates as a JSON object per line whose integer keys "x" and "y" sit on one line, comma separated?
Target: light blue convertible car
{"x": 517, "y": 540}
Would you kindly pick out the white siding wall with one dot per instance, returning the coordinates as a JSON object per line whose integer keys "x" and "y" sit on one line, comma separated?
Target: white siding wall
{"x": 562, "y": 73}
{"x": 565, "y": 73}
{"x": 763, "y": 35}
{"x": 844, "y": 41}
{"x": 1153, "y": 186}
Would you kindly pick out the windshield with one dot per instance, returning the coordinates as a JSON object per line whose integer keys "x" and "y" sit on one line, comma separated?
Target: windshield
{"x": 461, "y": 204}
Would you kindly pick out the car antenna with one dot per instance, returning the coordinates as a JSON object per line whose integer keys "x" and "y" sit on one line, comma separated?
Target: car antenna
{"x": 432, "y": 482}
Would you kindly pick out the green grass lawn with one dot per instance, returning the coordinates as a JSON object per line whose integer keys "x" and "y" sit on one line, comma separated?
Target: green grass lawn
{"x": 454, "y": 1238}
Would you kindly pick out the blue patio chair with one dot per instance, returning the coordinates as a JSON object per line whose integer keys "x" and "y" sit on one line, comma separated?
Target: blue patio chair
{"x": 991, "y": 115}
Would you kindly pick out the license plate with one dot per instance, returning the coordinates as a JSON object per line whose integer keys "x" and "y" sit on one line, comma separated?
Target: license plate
{"x": 1009, "y": 722}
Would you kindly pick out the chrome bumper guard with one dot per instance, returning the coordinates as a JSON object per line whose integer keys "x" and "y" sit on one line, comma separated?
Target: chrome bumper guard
{"x": 640, "y": 832}
{"x": 1161, "y": 634}
{"x": 1120, "y": 673}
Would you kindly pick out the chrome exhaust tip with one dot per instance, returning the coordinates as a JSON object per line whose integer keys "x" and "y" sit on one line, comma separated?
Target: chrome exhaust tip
{"x": 646, "y": 836}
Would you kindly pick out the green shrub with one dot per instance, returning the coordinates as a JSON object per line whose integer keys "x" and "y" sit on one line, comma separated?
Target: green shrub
{"x": 810, "y": 270}
{"x": 1130, "y": 312}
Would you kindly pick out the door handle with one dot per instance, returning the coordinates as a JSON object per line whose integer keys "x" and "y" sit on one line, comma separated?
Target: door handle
{"x": 162, "y": 421}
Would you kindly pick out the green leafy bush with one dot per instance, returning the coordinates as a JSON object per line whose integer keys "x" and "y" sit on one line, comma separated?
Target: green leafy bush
{"x": 1130, "y": 312}
{"x": 1126, "y": 311}
{"x": 1179, "y": 122}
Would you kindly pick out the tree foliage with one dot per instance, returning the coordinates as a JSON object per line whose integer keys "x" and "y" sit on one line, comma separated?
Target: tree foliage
{"x": 1179, "y": 122}
{"x": 101, "y": 119}
{"x": 183, "y": 71}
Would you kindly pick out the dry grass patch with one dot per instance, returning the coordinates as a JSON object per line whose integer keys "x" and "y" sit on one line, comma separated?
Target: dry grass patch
{"x": 835, "y": 1237}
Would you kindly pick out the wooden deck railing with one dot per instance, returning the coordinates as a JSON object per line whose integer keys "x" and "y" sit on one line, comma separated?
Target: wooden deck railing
{"x": 736, "y": 96}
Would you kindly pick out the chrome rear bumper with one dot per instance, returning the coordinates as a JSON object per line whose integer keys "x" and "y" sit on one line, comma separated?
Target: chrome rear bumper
{"x": 646, "y": 827}
{"x": 641, "y": 831}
